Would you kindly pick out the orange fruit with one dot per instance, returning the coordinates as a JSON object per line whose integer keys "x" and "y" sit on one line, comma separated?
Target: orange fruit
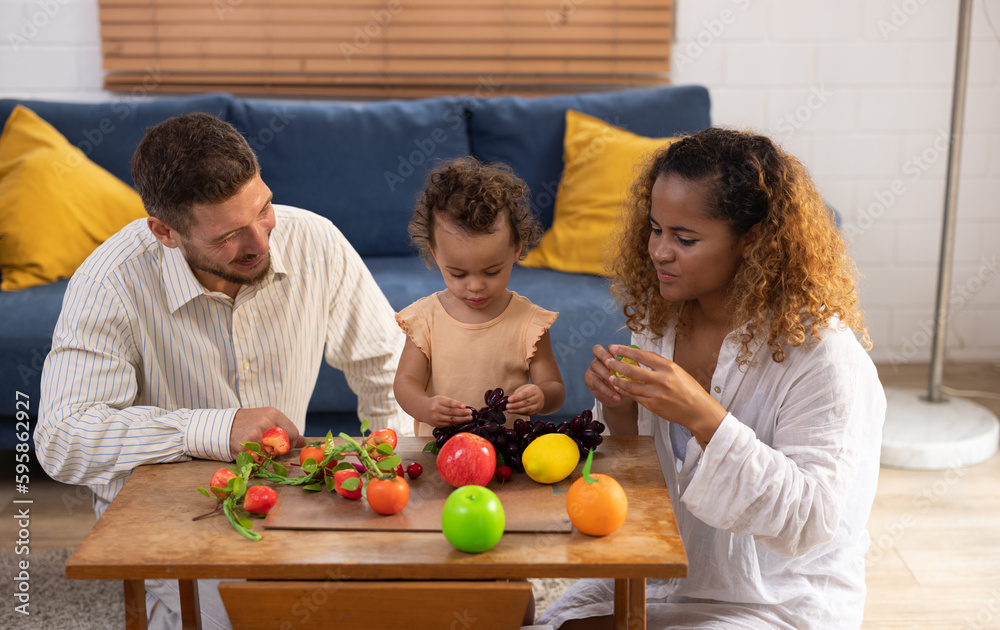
{"x": 597, "y": 508}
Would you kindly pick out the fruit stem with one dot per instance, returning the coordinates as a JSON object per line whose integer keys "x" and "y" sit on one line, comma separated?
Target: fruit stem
{"x": 227, "y": 507}
{"x": 586, "y": 468}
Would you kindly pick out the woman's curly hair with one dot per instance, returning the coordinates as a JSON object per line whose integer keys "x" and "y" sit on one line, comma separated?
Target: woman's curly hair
{"x": 797, "y": 275}
{"x": 471, "y": 195}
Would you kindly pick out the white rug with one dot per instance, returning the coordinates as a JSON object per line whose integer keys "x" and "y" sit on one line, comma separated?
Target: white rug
{"x": 57, "y": 603}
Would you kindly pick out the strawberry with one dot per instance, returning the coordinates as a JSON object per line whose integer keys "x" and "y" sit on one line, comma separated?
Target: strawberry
{"x": 259, "y": 499}
{"x": 275, "y": 442}
{"x": 340, "y": 477}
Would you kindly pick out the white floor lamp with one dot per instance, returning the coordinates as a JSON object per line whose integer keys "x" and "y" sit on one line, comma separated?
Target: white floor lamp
{"x": 925, "y": 430}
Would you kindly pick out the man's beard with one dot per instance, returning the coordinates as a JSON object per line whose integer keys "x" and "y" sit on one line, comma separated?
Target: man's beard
{"x": 197, "y": 262}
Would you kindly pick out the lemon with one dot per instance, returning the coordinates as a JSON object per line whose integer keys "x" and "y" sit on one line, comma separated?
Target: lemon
{"x": 550, "y": 458}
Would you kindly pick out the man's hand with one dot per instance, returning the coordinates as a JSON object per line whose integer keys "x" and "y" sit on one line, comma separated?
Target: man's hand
{"x": 249, "y": 426}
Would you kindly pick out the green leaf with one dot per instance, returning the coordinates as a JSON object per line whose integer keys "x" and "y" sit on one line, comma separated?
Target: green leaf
{"x": 351, "y": 484}
{"x": 586, "y": 468}
{"x": 364, "y": 426}
{"x": 431, "y": 447}
{"x": 244, "y": 522}
{"x": 243, "y": 460}
{"x": 313, "y": 487}
{"x": 310, "y": 465}
{"x": 280, "y": 469}
{"x": 384, "y": 449}
{"x": 343, "y": 466}
{"x": 389, "y": 463}
{"x": 251, "y": 446}
{"x": 239, "y": 486}
{"x": 500, "y": 459}
{"x": 205, "y": 492}
{"x": 330, "y": 484}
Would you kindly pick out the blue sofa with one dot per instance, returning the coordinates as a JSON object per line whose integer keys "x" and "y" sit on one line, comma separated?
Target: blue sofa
{"x": 362, "y": 166}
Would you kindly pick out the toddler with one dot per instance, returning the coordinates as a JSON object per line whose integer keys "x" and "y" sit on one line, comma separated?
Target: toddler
{"x": 473, "y": 222}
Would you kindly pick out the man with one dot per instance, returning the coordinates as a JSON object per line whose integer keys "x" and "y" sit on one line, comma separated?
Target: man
{"x": 203, "y": 326}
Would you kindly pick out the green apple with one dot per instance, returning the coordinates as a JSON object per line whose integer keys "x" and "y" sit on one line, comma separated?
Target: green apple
{"x": 473, "y": 519}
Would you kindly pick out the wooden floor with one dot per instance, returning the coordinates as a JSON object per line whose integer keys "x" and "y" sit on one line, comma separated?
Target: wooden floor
{"x": 934, "y": 563}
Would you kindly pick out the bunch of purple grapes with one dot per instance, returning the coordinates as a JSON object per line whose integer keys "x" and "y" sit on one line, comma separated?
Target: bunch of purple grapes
{"x": 509, "y": 443}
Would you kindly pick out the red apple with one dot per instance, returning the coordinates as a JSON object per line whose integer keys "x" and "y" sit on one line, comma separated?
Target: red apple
{"x": 220, "y": 480}
{"x": 466, "y": 460}
{"x": 259, "y": 499}
{"x": 340, "y": 477}
{"x": 275, "y": 442}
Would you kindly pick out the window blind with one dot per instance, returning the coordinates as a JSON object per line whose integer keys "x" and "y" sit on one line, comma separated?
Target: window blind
{"x": 384, "y": 48}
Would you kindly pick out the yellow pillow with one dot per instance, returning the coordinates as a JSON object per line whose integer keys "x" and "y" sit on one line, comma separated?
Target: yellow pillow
{"x": 600, "y": 163}
{"x": 56, "y": 205}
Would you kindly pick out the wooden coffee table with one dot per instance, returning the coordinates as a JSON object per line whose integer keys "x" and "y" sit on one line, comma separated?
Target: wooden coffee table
{"x": 147, "y": 533}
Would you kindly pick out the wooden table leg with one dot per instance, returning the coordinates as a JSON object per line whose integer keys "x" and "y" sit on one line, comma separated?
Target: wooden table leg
{"x": 621, "y": 604}
{"x": 135, "y": 604}
{"x": 637, "y": 604}
{"x": 190, "y": 606}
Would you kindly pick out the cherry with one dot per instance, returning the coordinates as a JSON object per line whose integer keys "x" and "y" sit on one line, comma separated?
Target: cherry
{"x": 414, "y": 470}
{"x": 503, "y": 473}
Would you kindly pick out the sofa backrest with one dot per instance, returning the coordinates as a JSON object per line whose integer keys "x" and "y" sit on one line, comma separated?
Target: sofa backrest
{"x": 362, "y": 166}
{"x": 527, "y": 133}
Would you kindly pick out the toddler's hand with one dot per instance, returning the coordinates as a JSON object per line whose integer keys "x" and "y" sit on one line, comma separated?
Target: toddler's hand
{"x": 443, "y": 412}
{"x": 527, "y": 400}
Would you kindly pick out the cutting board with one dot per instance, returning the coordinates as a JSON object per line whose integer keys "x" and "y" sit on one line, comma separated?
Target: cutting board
{"x": 528, "y": 506}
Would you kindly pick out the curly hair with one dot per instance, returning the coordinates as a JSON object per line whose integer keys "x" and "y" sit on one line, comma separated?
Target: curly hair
{"x": 797, "y": 275}
{"x": 190, "y": 159}
{"x": 471, "y": 195}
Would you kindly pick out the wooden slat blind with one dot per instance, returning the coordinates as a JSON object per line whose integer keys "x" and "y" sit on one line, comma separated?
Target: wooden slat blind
{"x": 384, "y": 48}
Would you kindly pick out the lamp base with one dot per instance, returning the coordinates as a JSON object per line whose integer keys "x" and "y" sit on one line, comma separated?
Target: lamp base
{"x": 922, "y": 435}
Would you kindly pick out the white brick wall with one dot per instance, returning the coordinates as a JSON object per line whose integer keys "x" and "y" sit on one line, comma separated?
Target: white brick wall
{"x": 872, "y": 144}
{"x": 857, "y": 89}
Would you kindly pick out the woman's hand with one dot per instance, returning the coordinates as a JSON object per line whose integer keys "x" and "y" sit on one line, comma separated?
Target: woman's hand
{"x": 666, "y": 389}
{"x": 598, "y": 381}
{"x": 444, "y": 412}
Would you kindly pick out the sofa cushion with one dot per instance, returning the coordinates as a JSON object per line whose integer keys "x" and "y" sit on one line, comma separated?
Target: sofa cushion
{"x": 600, "y": 163}
{"x": 359, "y": 166}
{"x": 28, "y": 317}
{"x": 109, "y": 132}
{"x": 527, "y": 133}
{"x": 56, "y": 205}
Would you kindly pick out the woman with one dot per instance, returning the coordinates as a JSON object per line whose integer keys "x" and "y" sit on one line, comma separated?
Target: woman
{"x": 762, "y": 402}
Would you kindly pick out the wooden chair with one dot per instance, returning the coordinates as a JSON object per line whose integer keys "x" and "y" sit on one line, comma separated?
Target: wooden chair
{"x": 432, "y": 605}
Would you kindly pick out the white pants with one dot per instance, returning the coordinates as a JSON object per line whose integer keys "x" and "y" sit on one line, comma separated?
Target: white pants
{"x": 163, "y": 605}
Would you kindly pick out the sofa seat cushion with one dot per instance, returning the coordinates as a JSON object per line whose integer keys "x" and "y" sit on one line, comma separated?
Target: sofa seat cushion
{"x": 28, "y": 317}
{"x": 359, "y": 166}
{"x": 527, "y": 133}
